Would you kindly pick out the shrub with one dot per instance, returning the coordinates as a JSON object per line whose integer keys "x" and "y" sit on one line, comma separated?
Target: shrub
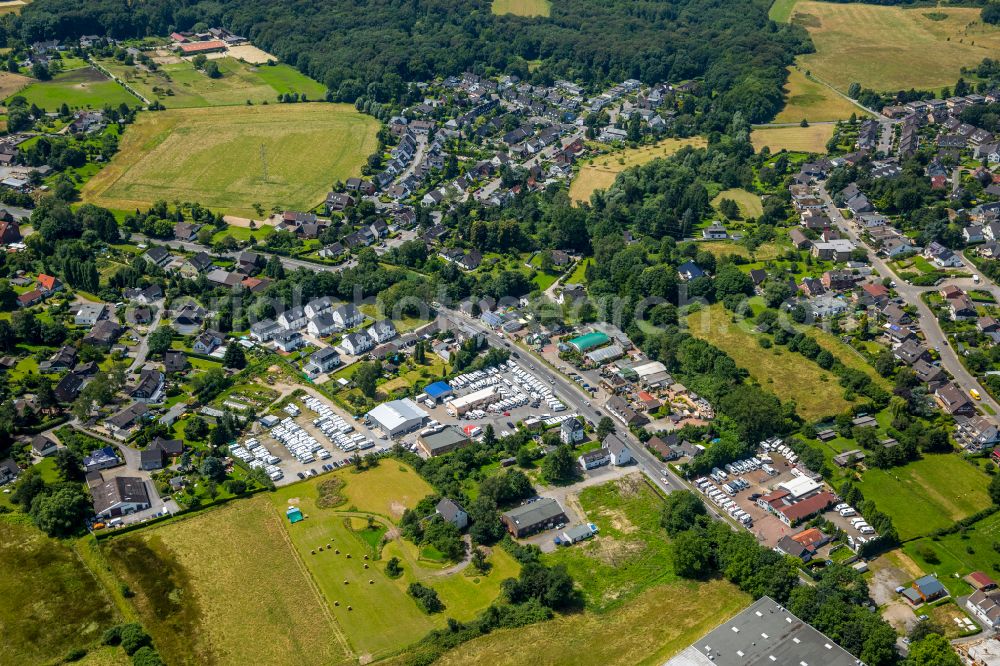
{"x": 133, "y": 637}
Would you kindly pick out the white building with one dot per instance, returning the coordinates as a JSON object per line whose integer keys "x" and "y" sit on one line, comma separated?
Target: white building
{"x": 347, "y": 316}
{"x": 289, "y": 341}
{"x": 459, "y": 406}
{"x": 322, "y": 325}
{"x": 397, "y": 417}
{"x": 293, "y": 319}
{"x": 355, "y": 344}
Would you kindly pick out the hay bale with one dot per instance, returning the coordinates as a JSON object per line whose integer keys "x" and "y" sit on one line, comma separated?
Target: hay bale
{"x": 366, "y": 566}
{"x": 371, "y": 582}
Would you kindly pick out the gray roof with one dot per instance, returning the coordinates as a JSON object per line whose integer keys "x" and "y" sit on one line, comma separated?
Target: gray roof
{"x": 450, "y": 436}
{"x": 764, "y": 633}
{"x": 122, "y": 489}
{"x": 541, "y": 511}
{"x": 449, "y": 509}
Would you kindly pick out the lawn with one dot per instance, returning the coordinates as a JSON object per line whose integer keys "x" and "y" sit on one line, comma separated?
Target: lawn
{"x": 211, "y": 587}
{"x": 898, "y": 48}
{"x": 629, "y": 554}
{"x": 579, "y": 275}
{"x": 522, "y": 7}
{"x": 810, "y": 139}
{"x": 51, "y": 601}
{"x": 378, "y": 617}
{"x": 927, "y": 494}
{"x": 722, "y": 248}
{"x": 78, "y": 88}
{"x": 180, "y": 85}
{"x": 600, "y": 172}
{"x": 216, "y": 155}
{"x": 810, "y": 99}
{"x": 244, "y": 233}
{"x": 962, "y": 553}
{"x": 777, "y": 370}
{"x": 749, "y": 203}
{"x": 647, "y": 630}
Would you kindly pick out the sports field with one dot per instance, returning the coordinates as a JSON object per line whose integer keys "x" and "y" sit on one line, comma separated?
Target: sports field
{"x": 892, "y": 48}
{"x": 179, "y": 85}
{"x": 810, "y": 139}
{"x": 927, "y": 494}
{"x": 749, "y": 203}
{"x": 378, "y": 617}
{"x": 522, "y": 7}
{"x": 778, "y": 370}
{"x": 209, "y": 589}
{"x": 600, "y": 172}
{"x": 215, "y": 156}
{"x": 647, "y": 630}
{"x": 809, "y": 99}
{"x": 79, "y": 88}
{"x": 50, "y": 601}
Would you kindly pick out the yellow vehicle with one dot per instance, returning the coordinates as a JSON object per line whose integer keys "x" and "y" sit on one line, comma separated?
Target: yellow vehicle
{"x": 975, "y": 394}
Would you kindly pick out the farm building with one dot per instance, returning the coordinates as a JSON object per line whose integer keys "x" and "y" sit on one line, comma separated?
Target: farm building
{"x": 194, "y": 48}
{"x": 533, "y": 517}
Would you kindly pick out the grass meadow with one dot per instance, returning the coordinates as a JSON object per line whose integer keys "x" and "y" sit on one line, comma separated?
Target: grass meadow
{"x": 927, "y": 494}
{"x": 778, "y": 370}
{"x": 975, "y": 549}
{"x": 599, "y": 172}
{"x": 810, "y": 139}
{"x": 749, "y": 203}
{"x": 522, "y": 7}
{"x": 179, "y": 85}
{"x": 213, "y": 156}
{"x": 81, "y": 88}
{"x": 51, "y": 601}
{"x": 813, "y": 101}
{"x": 898, "y": 48}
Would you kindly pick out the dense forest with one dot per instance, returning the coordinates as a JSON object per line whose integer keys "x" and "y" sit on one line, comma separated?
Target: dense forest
{"x": 376, "y": 47}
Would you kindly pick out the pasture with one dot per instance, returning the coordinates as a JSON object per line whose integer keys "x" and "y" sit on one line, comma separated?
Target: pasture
{"x": 927, "y": 494}
{"x": 810, "y": 139}
{"x": 210, "y": 586}
{"x": 81, "y": 88}
{"x": 179, "y": 85}
{"x": 216, "y": 156}
{"x": 51, "y": 601}
{"x": 778, "y": 370}
{"x": 599, "y": 172}
{"x": 960, "y": 553}
{"x": 379, "y": 617}
{"x": 646, "y": 630}
{"x": 810, "y": 99}
{"x": 749, "y": 203}
{"x": 10, "y": 83}
{"x": 898, "y": 48}
{"x": 522, "y": 7}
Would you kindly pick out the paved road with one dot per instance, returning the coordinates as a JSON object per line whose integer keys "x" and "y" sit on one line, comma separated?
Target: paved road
{"x": 143, "y": 351}
{"x": 928, "y": 322}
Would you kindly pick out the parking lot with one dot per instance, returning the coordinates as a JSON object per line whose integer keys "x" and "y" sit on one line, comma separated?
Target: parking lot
{"x": 312, "y": 438}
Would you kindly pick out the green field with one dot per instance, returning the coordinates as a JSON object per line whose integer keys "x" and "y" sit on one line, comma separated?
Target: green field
{"x": 180, "y": 85}
{"x": 810, "y": 139}
{"x": 897, "y": 48}
{"x": 379, "y": 618}
{"x": 781, "y": 10}
{"x": 84, "y": 87}
{"x": 214, "y": 156}
{"x": 778, "y": 370}
{"x": 927, "y": 494}
{"x": 813, "y": 101}
{"x": 51, "y": 601}
{"x": 961, "y": 553}
{"x": 749, "y": 203}
{"x": 522, "y": 7}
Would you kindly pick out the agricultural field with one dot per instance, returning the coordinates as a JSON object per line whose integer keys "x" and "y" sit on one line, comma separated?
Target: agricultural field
{"x": 12, "y": 6}
{"x": 179, "y": 85}
{"x": 749, "y": 203}
{"x": 10, "y": 83}
{"x": 214, "y": 156}
{"x": 522, "y": 7}
{"x": 727, "y": 248}
{"x": 600, "y": 172}
{"x": 208, "y": 587}
{"x": 374, "y": 611}
{"x": 646, "y": 630}
{"x": 975, "y": 549}
{"x": 777, "y": 370}
{"x": 52, "y": 603}
{"x": 781, "y": 10}
{"x": 927, "y": 494}
{"x": 81, "y": 88}
{"x": 812, "y": 139}
{"x": 813, "y": 101}
{"x": 922, "y": 47}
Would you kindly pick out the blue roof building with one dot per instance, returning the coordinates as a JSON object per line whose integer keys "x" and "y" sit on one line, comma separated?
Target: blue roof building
{"x": 101, "y": 459}
{"x": 438, "y": 390}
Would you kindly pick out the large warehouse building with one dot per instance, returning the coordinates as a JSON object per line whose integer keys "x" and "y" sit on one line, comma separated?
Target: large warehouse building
{"x": 443, "y": 441}
{"x": 397, "y": 417}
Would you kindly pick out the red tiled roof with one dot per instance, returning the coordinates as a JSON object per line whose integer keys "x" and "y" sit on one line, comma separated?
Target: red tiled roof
{"x": 47, "y": 281}
{"x": 807, "y": 507}
{"x": 875, "y": 290}
{"x": 809, "y": 537}
{"x": 981, "y": 579}
{"x": 195, "y": 47}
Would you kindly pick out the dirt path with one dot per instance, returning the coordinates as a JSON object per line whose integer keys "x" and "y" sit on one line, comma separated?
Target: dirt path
{"x": 235, "y": 221}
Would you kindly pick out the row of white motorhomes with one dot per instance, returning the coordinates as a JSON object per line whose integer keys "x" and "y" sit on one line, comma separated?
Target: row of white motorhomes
{"x": 721, "y": 499}
{"x": 299, "y": 443}
{"x": 776, "y": 445}
{"x": 857, "y": 523}
{"x": 255, "y": 455}
{"x": 336, "y": 428}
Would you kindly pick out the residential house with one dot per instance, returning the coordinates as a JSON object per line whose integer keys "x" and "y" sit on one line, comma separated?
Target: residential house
{"x": 318, "y": 306}
{"x": 68, "y": 388}
{"x": 322, "y": 325}
{"x": 928, "y": 373}
{"x": 288, "y": 340}
{"x": 799, "y": 239}
{"x": 451, "y": 512}
{"x": 954, "y": 400}
{"x": 103, "y": 334}
{"x": 911, "y": 351}
{"x": 195, "y": 265}
{"x": 150, "y": 387}
{"x": 159, "y": 256}
{"x": 355, "y": 344}
{"x": 186, "y": 231}
{"x": 125, "y": 422}
{"x": 347, "y": 316}
{"x": 961, "y": 307}
{"x": 715, "y": 231}
{"x": 175, "y": 361}
{"x": 571, "y": 432}
{"x": 689, "y": 271}
{"x": 977, "y": 433}
{"x": 621, "y": 411}
{"x": 293, "y": 318}
{"x": 264, "y": 330}
{"x": 382, "y": 331}
{"x": 48, "y": 284}
{"x": 103, "y": 458}
{"x": 42, "y": 446}
{"x": 941, "y": 255}
{"x": 208, "y": 342}
{"x": 323, "y": 360}
{"x": 120, "y": 496}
